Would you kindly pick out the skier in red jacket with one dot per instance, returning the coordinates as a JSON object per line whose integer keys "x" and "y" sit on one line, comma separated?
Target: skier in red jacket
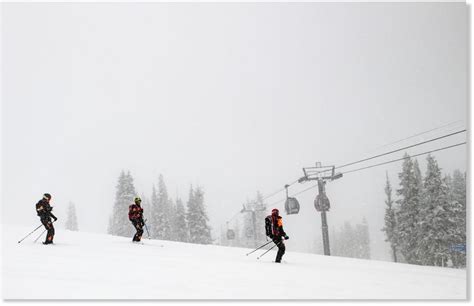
{"x": 135, "y": 214}
{"x": 274, "y": 229}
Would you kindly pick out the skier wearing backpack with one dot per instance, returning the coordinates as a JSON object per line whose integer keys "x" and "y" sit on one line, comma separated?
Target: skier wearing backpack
{"x": 274, "y": 230}
{"x": 135, "y": 215}
{"x": 43, "y": 209}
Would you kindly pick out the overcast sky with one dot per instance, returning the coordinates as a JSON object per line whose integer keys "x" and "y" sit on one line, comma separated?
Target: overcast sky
{"x": 232, "y": 97}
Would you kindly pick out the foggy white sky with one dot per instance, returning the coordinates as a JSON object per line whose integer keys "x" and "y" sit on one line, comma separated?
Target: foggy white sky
{"x": 233, "y": 97}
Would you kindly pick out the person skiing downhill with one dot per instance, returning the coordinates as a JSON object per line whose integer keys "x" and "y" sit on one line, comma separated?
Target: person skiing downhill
{"x": 135, "y": 215}
{"x": 43, "y": 209}
{"x": 274, "y": 230}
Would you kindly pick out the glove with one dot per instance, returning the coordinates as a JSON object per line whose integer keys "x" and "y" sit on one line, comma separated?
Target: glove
{"x": 286, "y": 237}
{"x": 271, "y": 236}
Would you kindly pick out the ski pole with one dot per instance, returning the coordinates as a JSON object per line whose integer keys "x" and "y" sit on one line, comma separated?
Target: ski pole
{"x": 269, "y": 250}
{"x": 39, "y": 236}
{"x": 259, "y": 247}
{"x": 30, "y": 233}
{"x": 146, "y": 227}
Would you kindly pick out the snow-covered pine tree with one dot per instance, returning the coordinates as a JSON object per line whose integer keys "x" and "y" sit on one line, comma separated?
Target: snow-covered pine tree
{"x": 362, "y": 240}
{"x": 390, "y": 227}
{"x": 71, "y": 222}
{"x": 164, "y": 202}
{"x": 346, "y": 241}
{"x": 351, "y": 241}
{"x": 436, "y": 226}
{"x": 119, "y": 224}
{"x": 153, "y": 225}
{"x": 418, "y": 179}
{"x": 349, "y": 238}
{"x": 260, "y": 214}
{"x": 180, "y": 221}
{"x": 199, "y": 230}
{"x": 161, "y": 211}
{"x": 407, "y": 214}
{"x": 172, "y": 218}
{"x": 190, "y": 218}
{"x": 458, "y": 213}
{"x": 146, "y": 205}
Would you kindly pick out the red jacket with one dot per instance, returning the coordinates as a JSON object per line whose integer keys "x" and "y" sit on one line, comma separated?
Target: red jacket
{"x": 135, "y": 212}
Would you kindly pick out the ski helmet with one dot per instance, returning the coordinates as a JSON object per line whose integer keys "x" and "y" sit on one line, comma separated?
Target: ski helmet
{"x": 47, "y": 196}
{"x": 137, "y": 200}
{"x": 275, "y": 211}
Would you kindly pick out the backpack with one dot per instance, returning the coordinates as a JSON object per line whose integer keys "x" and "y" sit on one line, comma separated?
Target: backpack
{"x": 39, "y": 209}
{"x": 42, "y": 209}
{"x": 268, "y": 225}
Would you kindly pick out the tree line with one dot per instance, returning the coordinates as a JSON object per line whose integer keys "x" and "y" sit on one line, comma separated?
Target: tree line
{"x": 167, "y": 218}
{"x": 351, "y": 241}
{"x": 426, "y": 223}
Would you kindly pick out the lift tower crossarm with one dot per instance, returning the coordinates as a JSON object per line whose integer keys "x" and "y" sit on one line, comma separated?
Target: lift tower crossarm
{"x": 321, "y": 174}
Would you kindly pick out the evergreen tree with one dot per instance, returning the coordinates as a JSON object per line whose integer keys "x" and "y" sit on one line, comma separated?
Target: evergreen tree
{"x": 260, "y": 214}
{"x": 146, "y": 205}
{"x": 180, "y": 221}
{"x": 199, "y": 230}
{"x": 458, "y": 213}
{"x": 347, "y": 237}
{"x": 362, "y": 240}
{"x": 154, "y": 218}
{"x": 351, "y": 241}
{"x": 172, "y": 219}
{"x": 119, "y": 224}
{"x": 343, "y": 241}
{"x": 390, "y": 228}
{"x": 161, "y": 211}
{"x": 190, "y": 219}
{"x": 408, "y": 210}
{"x": 436, "y": 225}
{"x": 71, "y": 222}
{"x": 418, "y": 179}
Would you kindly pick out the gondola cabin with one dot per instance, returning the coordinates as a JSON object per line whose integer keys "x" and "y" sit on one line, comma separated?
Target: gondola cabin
{"x": 230, "y": 234}
{"x": 292, "y": 206}
{"x": 321, "y": 203}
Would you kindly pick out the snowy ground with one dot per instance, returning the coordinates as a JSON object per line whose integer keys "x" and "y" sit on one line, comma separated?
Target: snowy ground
{"x": 93, "y": 266}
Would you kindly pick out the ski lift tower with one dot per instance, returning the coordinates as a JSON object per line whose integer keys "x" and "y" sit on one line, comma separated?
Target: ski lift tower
{"x": 254, "y": 218}
{"x": 321, "y": 174}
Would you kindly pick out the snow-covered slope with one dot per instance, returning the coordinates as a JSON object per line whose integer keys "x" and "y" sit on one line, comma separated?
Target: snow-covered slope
{"x": 93, "y": 266}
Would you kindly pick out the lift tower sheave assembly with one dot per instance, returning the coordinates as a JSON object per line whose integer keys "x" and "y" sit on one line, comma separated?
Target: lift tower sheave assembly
{"x": 321, "y": 174}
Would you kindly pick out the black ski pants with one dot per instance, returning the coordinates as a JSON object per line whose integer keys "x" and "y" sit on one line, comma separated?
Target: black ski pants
{"x": 50, "y": 228}
{"x": 138, "y": 224}
{"x": 281, "y": 249}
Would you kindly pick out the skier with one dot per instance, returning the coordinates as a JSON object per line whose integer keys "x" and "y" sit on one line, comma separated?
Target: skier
{"x": 43, "y": 209}
{"x": 274, "y": 230}
{"x": 135, "y": 214}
